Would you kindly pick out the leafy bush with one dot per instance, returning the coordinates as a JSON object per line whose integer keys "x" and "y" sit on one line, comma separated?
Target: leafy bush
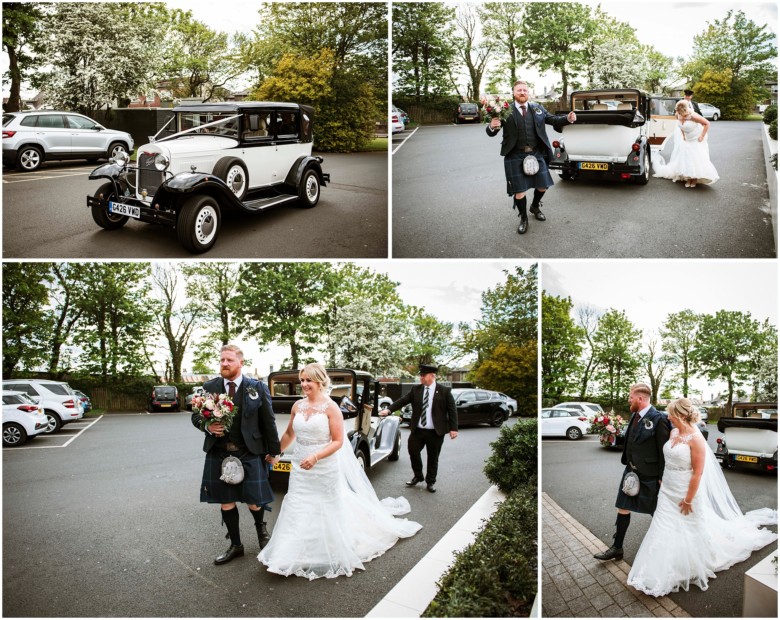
{"x": 770, "y": 114}
{"x": 773, "y": 130}
{"x": 495, "y": 576}
{"x": 513, "y": 461}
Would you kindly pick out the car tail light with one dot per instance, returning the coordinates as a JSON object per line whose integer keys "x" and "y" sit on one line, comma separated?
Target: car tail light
{"x": 556, "y": 144}
{"x": 8, "y": 134}
{"x": 70, "y": 404}
{"x": 625, "y": 175}
{"x": 635, "y": 147}
{"x": 719, "y": 440}
{"x": 395, "y": 118}
{"x": 28, "y": 408}
{"x": 582, "y": 418}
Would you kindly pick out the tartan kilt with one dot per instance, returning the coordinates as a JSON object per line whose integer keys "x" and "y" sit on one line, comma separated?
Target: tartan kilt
{"x": 645, "y": 502}
{"x": 517, "y": 181}
{"x": 255, "y": 488}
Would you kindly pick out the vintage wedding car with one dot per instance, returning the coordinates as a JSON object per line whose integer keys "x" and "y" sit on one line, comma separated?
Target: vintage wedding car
{"x": 249, "y": 156}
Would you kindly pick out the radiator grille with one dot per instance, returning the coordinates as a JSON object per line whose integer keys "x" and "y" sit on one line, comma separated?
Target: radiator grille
{"x": 149, "y": 178}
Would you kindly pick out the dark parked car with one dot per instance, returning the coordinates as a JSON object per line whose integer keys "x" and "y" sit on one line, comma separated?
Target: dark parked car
{"x": 467, "y": 113}
{"x": 164, "y": 397}
{"x": 479, "y": 407}
{"x": 85, "y": 401}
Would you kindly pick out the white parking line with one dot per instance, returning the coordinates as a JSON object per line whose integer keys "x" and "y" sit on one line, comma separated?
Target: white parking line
{"x": 49, "y": 436}
{"x": 37, "y": 177}
{"x": 405, "y": 139}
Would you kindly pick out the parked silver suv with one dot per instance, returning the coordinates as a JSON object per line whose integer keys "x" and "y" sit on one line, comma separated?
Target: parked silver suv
{"x": 57, "y": 399}
{"x": 30, "y": 138}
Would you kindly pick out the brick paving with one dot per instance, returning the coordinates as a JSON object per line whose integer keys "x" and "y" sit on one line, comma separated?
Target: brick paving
{"x": 576, "y": 585}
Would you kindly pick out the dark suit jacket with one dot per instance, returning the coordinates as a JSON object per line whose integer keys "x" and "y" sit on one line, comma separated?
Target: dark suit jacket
{"x": 696, "y": 107}
{"x": 258, "y": 423}
{"x": 541, "y": 117}
{"x": 445, "y": 413}
{"x": 646, "y": 445}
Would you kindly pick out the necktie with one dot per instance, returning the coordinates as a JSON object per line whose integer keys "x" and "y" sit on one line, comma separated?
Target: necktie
{"x": 231, "y": 389}
{"x": 522, "y": 110}
{"x": 424, "y": 416}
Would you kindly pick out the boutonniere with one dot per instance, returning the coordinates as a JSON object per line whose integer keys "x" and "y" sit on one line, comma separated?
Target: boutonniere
{"x": 649, "y": 425}
{"x": 252, "y": 393}
{"x": 537, "y": 111}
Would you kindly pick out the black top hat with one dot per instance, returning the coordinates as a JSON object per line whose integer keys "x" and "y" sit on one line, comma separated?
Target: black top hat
{"x": 426, "y": 368}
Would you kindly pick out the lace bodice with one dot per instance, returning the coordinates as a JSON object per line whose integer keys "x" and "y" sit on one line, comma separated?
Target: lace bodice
{"x": 677, "y": 451}
{"x": 311, "y": 423}
{"x": 690, "y": 129}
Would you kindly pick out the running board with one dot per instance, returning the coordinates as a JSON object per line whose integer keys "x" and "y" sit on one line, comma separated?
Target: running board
{"x": 266, "y": 203}
{"x": 379, "y": 455}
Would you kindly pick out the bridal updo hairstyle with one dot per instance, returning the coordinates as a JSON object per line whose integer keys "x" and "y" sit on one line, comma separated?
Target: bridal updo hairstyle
{"x": 683, "y": 409}
{"x": 316, "y": 372}
{"x": 682, "y": 109}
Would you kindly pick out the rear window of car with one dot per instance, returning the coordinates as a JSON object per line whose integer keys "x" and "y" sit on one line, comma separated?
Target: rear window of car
{"x": 29, "y": 121}
{"x": 165, "y": 392}
{"x": 59, "y": 388}
{"x": 15, "y": 399}
{"x": 51, "y": 121}
{"x": 20, "y": 387}
{"x": 7, "y": 118}
{"x": 468, "y": 108}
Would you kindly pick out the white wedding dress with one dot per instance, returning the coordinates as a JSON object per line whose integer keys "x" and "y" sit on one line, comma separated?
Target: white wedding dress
{"x": 331, "y": 520}
{"x": 683, "y": 157}
{"x": 679, "y": 550}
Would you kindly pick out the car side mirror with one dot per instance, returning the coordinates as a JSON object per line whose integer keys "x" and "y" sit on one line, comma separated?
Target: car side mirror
{"x": 461, "y": 402}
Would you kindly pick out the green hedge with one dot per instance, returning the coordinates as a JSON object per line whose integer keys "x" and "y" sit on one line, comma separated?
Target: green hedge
{"x": 773, "y": 129}
{"x": 496, "y": 576}
{"x": 770, "y": 114}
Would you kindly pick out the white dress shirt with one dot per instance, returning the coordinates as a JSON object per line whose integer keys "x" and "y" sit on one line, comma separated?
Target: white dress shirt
{"x": 429, "y": 413}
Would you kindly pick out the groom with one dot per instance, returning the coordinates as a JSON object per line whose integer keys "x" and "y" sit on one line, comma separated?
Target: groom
{"x": 525, "y": 136}
{"x": 251, "y": 436}
{"x": 434, "y": 415}
{"x": 643, "y": 453}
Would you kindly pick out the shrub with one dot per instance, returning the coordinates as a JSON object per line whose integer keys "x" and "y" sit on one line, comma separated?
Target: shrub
{"x": 513, "y": 461}
{"x": 773, "y": 130}
{"x": 495, "y": 576}
{"x": 770, "y": 114}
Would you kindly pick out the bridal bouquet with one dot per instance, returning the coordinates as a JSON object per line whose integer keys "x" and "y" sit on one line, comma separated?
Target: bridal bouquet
{"x": 495, "y": 106}
{"x": 214, "y": 408}
{"x": 608, "y": 428}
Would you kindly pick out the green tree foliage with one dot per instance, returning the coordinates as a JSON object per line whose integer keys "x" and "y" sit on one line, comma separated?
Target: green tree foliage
{"x": 678, "y": 336}
{"x": 501, "y": 23}
{"x": 763, "y": 363}
{"x": 99, "y": 52}
{"x": 739, "y": 50}
{"x": 423, "y": 48}
{"x": 429, "y": 340}
{"x": 617, "y": 344}
{"x": 555, "y": 35}
{"x": 26, "y": 322}
{"x": 474, "y": 50}
{"x": 69, "y": 297}
{"x": 284, "y": 303}
{"x": 21, "y": 41}
{"x": 511, "y": 369}
{"x": 723, "y": 348}
{"x": 655, "y": 363}
{"x": 562, "y": 341}
{"x": 199, "y": 61}
{"x": 115, "y": 325}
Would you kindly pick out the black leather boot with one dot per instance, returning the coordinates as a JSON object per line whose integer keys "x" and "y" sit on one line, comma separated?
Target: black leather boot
{"x": 234, "y": 551}
{"x": 262, "y": 534}
{"x": 613, "y": 553}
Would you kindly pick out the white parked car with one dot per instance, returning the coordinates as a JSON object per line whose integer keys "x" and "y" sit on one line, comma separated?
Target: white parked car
{"x": 557, "y": 422}
{"x": 22, "y": 418}
{"x": 30, "y": 138}
{"x": 60, "y": 404}
{"x": 396, "y": 121}
{"x": 248, "y": 156}
{"x": 587, "y": 409}
{"x": 709, "y": 111}
{"x": 511, "y": 403}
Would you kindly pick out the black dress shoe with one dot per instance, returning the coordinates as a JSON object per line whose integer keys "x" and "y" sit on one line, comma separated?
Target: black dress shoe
{"x": 523, "y": 227}
{"x": 235, "y": 551}
{"x": 537, "y": 211}
{"x": 262, "y": 534}
{"x": 613, "y": 553}
{"x": 414, "y": 481}
{"x": 431, "y": 488}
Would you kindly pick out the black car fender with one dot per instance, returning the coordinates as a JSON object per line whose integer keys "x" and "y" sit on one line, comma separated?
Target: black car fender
{"x": 301, "y": 165}
{"x": 113, "y": 172}
{"x": 178, "y": 187}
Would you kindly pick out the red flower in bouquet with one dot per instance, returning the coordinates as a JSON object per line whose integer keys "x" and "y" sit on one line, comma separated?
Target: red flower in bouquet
{"x": 214, "y": 408}
{"x": 495, "y": 106}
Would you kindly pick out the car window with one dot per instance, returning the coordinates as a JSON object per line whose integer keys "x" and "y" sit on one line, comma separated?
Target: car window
{"x": 287, "y": 124}
{"x": 467, "y": 396}
{"x": 7, "y": 118}
{"x": 51, "y": 121}
{"x": 483, "y": 396}
{"x": 59, "y": 388}
{"x": 546, "y": 413}
{"x": 662, "y": 107}
{"x": 12, "y": 399}
{"x": 257, "y": 126}
{"x": 79, "y": 122}
{"x": 29, "y": 121}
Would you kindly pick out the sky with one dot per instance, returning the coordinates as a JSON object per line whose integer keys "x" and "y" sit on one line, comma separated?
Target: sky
{"x": 448, "y": 289}
{"x": 650, "y": 290}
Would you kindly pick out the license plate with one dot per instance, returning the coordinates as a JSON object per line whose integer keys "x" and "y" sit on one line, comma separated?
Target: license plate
{"x": 286, "y": 467}
{"x": 120, "y": 208}
{"x": 468, "y": 118}
{"x": 746, "y": 459}
{"x": 163, "y": 405}
{"x": 589, "y": 165}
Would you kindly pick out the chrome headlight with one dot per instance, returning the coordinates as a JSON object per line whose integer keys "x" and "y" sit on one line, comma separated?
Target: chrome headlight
{"x": 120, "y": 158}
{"x": 161, "y": 162}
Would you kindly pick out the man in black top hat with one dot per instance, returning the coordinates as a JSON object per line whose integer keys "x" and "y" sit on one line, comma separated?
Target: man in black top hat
{"x": 688, "y": 96}
{"x": 434, "y": 414}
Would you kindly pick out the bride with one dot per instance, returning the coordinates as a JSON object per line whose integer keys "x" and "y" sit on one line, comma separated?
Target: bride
{"x": 331, "y": 520}
{"x": 698, "y": 528}
{"x": 685, "y": 155}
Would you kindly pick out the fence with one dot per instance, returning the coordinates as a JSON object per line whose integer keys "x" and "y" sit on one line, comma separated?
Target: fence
{"x": 111, "y": 400}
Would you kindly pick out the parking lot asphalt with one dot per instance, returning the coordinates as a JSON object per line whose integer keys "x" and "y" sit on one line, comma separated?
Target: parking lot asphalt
{"x": 581, "y": 479}
{"x": 45, "y": 216}
{"x": 111, "y": 526}
{"x": 450, "y": 200}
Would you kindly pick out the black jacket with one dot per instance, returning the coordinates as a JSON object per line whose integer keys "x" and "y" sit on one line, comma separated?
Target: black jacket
{"x": 258, "y": 423}
{"x": 644, "y": 443}
{"x": 541, "y": 118}
{"x": 444, "y": 411}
